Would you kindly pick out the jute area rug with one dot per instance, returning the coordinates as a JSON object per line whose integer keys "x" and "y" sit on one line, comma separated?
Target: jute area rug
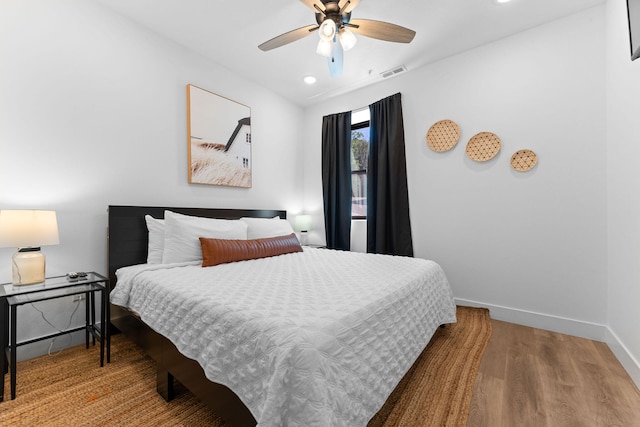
{"x": 70, "y": 388}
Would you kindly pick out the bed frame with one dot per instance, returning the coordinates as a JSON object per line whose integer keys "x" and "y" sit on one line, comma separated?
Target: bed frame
{"x": 128, "y": 243}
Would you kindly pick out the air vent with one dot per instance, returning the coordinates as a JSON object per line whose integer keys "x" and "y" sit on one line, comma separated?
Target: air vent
{"x": 393, "y": 72}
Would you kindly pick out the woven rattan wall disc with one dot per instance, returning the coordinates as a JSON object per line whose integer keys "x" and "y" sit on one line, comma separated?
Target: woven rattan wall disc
{"x": 524, "y": 160}
{"x": 483, "y": 146}
{"x": 443, "y": 135}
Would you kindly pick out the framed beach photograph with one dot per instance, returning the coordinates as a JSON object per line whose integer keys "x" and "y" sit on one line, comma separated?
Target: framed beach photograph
{"x": 219, "y": 139}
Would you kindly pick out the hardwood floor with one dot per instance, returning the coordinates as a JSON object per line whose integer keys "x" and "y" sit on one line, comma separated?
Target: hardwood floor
{"x": 532, "y": 377}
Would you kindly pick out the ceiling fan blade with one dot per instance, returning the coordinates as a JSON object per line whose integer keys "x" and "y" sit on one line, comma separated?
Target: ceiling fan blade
{"x": 381, "y": 30}
{"x": 314, "y": 5}
{"x": 335, "y": 60}
{"x": 347, "y": 6}
{"x": 287, "y": 38}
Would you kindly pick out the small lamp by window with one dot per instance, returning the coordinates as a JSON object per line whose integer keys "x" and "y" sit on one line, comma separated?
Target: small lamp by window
{"x": 303, "y": 225}
{"x": 27, "y": 230}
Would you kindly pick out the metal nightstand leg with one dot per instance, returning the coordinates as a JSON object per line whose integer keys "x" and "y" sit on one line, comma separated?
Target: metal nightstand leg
{"x": 13, "y": 348}
{"x": 87, "y": 323}
{"x": 107, "y": 319}
{"x": 4, "y": 342}
{"x": 93, "y": 319}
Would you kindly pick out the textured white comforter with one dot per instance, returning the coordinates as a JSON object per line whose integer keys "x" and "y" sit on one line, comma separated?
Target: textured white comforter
{"x": 317, "y": 338}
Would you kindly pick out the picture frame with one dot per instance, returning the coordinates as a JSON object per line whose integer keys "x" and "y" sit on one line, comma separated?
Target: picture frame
{"x": 633, "y": 15}
{"x": 219, "y": 139}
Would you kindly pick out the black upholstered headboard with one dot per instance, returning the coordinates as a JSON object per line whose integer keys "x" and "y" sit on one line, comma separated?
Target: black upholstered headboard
{"x": 128, "y": 239}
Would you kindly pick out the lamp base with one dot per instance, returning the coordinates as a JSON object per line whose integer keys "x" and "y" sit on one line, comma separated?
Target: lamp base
{"x": 28, "y": 266}
{"x": 304, "y": 238}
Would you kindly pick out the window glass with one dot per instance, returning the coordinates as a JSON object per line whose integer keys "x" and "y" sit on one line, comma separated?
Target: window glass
{"x": 359, "y": 162}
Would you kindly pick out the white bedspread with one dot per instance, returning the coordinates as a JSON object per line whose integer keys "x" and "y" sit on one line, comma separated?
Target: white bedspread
{"x": 316, "y": 338}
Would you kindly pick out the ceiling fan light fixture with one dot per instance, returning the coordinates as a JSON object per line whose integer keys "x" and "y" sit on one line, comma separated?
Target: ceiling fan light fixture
{"x": 347, "y": 39}
{"x": 324, "y": 47}
{"x": 332, "y": 17}
{"x": 327, "y": 30}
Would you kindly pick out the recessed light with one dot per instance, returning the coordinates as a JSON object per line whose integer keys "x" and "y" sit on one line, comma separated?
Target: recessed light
{"x": 501, "y": 1}
{"x": 309, "y": 80}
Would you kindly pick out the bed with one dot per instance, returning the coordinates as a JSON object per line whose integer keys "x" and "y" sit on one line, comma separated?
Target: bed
{"x": 310, "y": 337}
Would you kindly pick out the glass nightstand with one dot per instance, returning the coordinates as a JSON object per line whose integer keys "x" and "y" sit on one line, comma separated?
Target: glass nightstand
{"x": 14, "y": 296}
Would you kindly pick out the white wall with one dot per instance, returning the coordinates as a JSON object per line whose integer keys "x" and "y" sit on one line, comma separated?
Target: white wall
{"x": 623, "y": 176}
{"x": 531, "y": 246}
{"x": 93, "y": 112}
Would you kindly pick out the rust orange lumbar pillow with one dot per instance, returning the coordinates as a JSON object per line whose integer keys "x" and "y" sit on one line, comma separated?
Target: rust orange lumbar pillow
{"x": 221, "y": 251}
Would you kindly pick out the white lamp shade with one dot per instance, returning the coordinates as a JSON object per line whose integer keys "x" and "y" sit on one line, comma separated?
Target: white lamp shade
{"x": 347, "y": 39}
{"x": 324, "y": 47}
{"x": 28, "y": 228}
{"x": 327, "y": 29}
{"x": 303, "y": 222}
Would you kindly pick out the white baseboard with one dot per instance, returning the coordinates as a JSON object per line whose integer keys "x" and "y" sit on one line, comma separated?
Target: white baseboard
{"x": 628, "y": 362}
{"x": 563, "y": 325}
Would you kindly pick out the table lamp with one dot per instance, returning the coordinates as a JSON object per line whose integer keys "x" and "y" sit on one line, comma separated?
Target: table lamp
{"x": 27, "y": 230}
{"x": 303, "y": 225}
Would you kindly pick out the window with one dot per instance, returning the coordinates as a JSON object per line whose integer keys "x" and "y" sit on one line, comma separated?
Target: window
{"x": 359, "y": 161}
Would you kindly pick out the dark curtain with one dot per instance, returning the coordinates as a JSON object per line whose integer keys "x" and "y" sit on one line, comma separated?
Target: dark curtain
{"x": 336, "y": 179}
{"x": 388, "y": 224}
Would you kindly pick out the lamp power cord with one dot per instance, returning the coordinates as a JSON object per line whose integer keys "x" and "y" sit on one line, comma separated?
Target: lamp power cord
{"x": 59, "y": 330}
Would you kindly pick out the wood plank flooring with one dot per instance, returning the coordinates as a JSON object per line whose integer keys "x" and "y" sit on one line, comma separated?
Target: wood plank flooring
{"x": 532, "y": 377}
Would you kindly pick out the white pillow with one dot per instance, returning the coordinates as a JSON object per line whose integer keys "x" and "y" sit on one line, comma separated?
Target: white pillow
{"x": 260, "y": 228}
{"x": 182, "y": 235}
{"x": 156, "y": 239}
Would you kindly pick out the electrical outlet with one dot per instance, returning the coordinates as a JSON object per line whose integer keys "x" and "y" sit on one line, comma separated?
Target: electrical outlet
{"x": 76, "y": 298}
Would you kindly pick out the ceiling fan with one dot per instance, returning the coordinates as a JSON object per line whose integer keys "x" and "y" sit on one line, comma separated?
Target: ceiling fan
{"x": 335, "y": 28}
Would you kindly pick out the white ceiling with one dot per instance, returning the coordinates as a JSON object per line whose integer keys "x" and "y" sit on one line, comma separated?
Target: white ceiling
{"x": 229, "y": 32}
